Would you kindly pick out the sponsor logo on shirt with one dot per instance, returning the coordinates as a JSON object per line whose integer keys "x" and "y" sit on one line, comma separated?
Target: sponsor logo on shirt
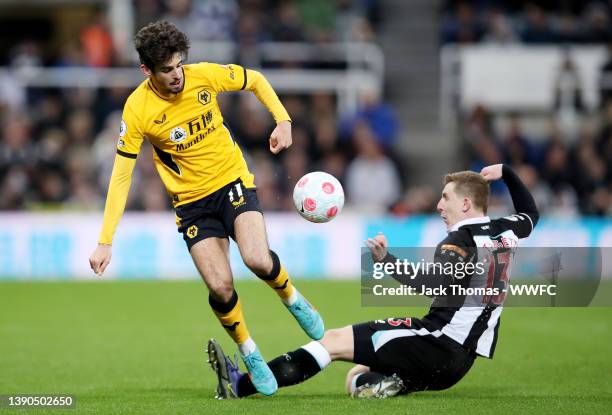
{"x": 178, "y": 134}
{"x": 200, "y": 125}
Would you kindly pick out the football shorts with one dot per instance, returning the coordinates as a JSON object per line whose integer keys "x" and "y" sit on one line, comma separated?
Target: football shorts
{"x": 424, "y": 360}
{"x": 214, "y": 215}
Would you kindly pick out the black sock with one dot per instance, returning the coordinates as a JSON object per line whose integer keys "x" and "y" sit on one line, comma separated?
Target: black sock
{"x": 369, "y": 377}
{"x": 289, "y": 369}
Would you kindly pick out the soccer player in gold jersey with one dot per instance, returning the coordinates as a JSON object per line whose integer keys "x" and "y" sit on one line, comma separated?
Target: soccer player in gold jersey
{"x": 205, "y": 174}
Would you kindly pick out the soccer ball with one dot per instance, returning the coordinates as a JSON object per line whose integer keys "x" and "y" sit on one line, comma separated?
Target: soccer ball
{"x": 318, "y": 197}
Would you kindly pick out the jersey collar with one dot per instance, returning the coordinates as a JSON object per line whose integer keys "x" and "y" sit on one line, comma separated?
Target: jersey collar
{"x": 469, "y": 221}
{"x": 156, "y": 92}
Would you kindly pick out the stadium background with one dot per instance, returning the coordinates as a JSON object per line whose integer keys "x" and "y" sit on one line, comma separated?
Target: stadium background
{"x": 387, "y": 95}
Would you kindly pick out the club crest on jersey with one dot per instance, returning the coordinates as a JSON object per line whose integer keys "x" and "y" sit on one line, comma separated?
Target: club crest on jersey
{"x": 178, "y": 134}
{"x": 204, "y": 96}
{"x": 122, "y": 128}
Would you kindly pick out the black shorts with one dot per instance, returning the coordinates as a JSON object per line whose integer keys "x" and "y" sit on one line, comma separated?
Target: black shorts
{"x": 424, "y": 360}
{"x": 214, "y": 215}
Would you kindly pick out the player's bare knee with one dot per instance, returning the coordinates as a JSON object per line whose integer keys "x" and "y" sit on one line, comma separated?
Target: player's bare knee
{"x": 221, "y": 290}
{"x": 339, "y": 343}
{"x": 334, "y": 336}
{"x": 260, "y": 263}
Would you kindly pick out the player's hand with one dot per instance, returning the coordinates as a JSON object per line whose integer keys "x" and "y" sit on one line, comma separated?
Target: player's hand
{"x": 492, "y": 173}
{"x": 99, "y": 260}
{"x": 378, "y": 246}
{"x": 280, "y": 138}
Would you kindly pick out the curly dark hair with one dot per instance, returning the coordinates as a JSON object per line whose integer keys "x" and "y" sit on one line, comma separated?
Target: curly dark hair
{"x": 157, "y": 42}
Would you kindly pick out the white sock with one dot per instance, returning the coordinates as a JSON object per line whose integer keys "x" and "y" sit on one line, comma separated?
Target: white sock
{"x": 247, "y": 347}
{"x": 292, "y": 298}
{"x": 319, "y": 352}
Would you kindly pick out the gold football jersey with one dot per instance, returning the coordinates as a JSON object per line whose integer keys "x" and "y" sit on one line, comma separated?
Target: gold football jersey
{"x": 194, "y": 151}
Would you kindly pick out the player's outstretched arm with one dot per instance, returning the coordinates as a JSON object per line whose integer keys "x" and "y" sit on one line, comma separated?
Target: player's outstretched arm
{"x": 523, "y": 201}
{"x": 118, "y": 190}
{"x": 280, "y": 138}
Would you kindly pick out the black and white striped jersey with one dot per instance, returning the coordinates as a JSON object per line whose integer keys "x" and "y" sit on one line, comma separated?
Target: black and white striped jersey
{"x": 473, "y": 320}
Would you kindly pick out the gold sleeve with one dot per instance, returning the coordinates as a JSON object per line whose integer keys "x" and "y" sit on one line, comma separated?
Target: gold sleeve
{"x": 256, "y": 82}
{"x": 118, "y": 189}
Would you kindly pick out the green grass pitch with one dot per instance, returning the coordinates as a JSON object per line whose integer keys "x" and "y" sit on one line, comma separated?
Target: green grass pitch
{"x": 138, "y": 347}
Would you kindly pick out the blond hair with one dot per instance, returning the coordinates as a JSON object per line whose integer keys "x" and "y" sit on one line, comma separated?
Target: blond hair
{"x": 471, "y": 184}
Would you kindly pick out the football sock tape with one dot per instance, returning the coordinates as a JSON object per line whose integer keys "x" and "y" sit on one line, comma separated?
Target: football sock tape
{"x": 221, "y": 307}
{"x": 280, "y": 281}
{"x": 276, "y": 267}
{"x": 318, "y": 352}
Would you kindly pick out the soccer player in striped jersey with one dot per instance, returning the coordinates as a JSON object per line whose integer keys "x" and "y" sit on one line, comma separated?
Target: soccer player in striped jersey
{"x": 202, "y": 167}
{"x": 403, "y": 355}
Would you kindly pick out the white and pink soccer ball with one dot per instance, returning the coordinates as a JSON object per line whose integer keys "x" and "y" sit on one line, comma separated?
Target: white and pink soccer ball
{"x": 318, "y": 197}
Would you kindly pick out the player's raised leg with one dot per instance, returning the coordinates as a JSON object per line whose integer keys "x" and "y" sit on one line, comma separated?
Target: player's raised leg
{"x": 253, "y": 244}
{"x": 210, "y": 256}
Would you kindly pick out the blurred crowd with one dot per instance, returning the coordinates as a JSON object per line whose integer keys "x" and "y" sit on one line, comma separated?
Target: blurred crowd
{"x": 253, "y": 21}
{"x": 503, "y": 22}
{"x": 567, "y": 174}
{"x": 568, "y": 163}
{"x": 58, "y": 145}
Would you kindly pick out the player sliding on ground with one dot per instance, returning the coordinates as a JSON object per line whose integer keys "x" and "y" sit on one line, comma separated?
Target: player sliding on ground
{"x": 402, "y": 355}
{"x": 205, "y": 174}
